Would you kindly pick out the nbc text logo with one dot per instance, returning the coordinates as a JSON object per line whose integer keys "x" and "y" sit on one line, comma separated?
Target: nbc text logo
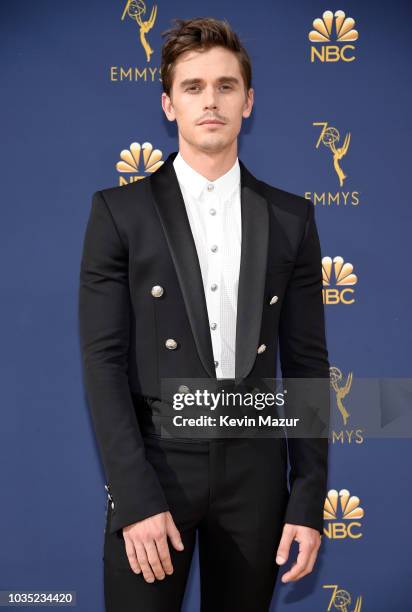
{"x": 343, "y": 511}
{"x": 344, "y": 277}
{"x": 333, "y": 27}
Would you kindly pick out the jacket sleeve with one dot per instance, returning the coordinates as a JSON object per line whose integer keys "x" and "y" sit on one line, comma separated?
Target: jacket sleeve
{"x": 304, "y": 355}
{"x": 104, "y": 324}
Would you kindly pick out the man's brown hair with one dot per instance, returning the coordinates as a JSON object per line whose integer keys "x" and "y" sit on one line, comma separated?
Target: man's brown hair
{"x": 200, "y": 34}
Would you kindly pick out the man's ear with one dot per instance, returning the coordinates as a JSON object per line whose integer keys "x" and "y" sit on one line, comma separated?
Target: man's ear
{"x": 247, "y": 111}
{"x": 167, "y": 106}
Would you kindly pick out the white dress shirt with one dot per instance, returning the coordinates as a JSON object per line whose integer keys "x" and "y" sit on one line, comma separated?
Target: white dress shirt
{"x": 214, "y": 212}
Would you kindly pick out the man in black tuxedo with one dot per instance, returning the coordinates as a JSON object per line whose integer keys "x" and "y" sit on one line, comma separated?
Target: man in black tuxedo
{"x": 149, "y": 312}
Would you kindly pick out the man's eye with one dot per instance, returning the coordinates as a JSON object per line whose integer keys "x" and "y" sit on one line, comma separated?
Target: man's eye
{"x": 193, "y": 87}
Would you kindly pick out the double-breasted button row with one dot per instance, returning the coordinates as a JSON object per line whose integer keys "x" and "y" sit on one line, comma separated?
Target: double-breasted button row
{"x": 171, "y": 344}
{"x": 157, "y": 290}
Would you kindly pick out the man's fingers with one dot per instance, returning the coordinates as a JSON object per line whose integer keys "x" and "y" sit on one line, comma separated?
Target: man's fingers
{"x": 153, "y": 558}
{"x": 144, "y": 562}
{"x": 164, "y": 554}
{"x": 304, "y": 562}
{"x": 147, "y": 547}
{"x": 131, "y": 555}
{"x": 297, "y": 568}
{"x": 313, "y": 553}
{"x": 312, "y": 560}
{"x": 284, "y": 545}
{"x": 173, "y": 532}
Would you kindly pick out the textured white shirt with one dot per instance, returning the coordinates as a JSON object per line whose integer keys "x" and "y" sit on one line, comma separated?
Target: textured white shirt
{"x": 214, "y": 212}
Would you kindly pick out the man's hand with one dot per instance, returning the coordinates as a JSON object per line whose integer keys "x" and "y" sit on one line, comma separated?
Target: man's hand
{"x": 309, "y": 542}
{"x": 147, "y": 548}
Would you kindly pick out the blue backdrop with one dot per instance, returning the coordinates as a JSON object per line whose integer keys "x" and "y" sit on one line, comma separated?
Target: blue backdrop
{"x": 78, "y": 89}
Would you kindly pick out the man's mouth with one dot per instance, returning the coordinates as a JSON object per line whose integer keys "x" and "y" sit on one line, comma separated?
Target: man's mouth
{"x": 212, "y": 122}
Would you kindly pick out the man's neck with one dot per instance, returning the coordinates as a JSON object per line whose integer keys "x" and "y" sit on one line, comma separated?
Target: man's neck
{"x": 210, "y": 165}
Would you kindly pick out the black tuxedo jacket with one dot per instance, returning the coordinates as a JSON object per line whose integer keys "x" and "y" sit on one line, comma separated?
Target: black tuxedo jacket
{"x": 139, "y": 236}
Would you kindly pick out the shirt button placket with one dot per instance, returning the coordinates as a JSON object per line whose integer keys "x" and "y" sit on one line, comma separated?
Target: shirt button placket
{"x": 214, "y": 267}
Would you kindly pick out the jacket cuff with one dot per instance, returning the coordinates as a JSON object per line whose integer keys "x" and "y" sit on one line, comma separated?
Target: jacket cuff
{"x": 305, "y": 507}
{"x": 129, "y": 504}
{"x": 124, "y": 516}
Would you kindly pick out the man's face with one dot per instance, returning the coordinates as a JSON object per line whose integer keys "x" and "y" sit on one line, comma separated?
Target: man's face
{"x": 208, "y": 85}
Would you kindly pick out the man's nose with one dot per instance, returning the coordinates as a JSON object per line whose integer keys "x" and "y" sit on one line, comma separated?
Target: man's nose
{"x": 210, "y": 100}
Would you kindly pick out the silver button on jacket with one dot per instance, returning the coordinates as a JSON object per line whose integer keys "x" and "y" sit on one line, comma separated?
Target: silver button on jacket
{"x": 157, "y": 291}
{"x": 171, "y": 343}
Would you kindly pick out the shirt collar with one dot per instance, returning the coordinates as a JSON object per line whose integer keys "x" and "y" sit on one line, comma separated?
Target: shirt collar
{"x": 195, "y": 183}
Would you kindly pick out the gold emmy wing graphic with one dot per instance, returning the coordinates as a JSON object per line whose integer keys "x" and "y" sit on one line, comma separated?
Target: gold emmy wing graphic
{"x": 136, "y": 9}
{"x": 336, "y": 377}
{"x": 341, "y": 599}
{"x": 349, "y": 506}
{"x": 343, "y": 272}
{"x": 343, "y": 28}
{"x": 330, "y": 137}
{"x": 131, "y": 159}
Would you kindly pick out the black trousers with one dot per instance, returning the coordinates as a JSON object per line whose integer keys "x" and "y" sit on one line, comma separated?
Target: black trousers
{"x": 234, "y": 492}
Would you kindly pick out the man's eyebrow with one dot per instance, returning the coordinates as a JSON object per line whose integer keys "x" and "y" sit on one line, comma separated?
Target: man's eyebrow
{"x": 195, "y": 81}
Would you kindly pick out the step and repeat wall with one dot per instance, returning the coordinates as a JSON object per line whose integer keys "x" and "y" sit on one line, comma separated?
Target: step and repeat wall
{"x": 82, "y": 111}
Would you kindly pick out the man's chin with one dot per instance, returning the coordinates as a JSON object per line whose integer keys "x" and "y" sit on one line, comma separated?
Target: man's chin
{"x": 213, "y": 145}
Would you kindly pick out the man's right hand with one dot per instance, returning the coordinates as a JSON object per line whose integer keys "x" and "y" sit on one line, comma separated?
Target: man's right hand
{"x": 147, "y": 548}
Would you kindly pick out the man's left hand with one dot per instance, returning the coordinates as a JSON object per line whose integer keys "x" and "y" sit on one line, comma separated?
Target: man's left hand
{"x": 309, "y": 542}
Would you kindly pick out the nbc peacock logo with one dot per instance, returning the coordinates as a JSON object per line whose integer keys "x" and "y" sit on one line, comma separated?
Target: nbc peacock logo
{"x": 336, "y": 271}
{"x": 329, "y": 29}
{"x": 343, "y": 511}
{"x": 137, "y": 158}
